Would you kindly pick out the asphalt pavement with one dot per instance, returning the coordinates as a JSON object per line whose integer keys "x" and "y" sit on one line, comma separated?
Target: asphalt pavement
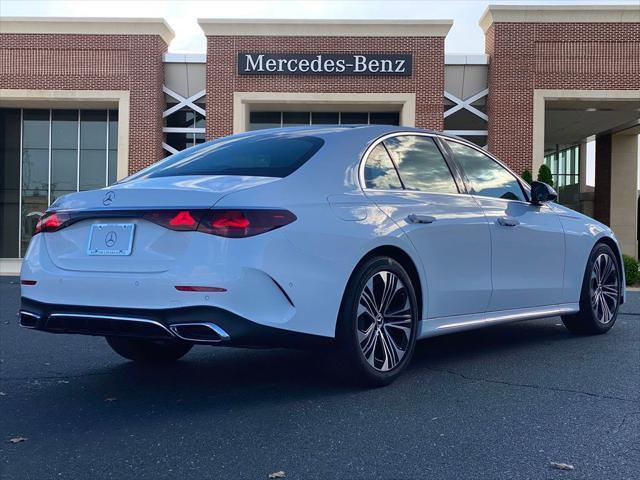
{"x": 499, "y": 403}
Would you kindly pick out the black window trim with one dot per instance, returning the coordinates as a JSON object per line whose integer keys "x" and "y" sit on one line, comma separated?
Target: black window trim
{"x": 454, "y": 166}
{"x": 465, "y": 179}
{"x": 393, "y": 162}
{"x": 455, "y": 175}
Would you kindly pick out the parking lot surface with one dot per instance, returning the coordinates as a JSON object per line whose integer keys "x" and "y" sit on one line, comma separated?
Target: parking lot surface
{"x": 503, "y": 402}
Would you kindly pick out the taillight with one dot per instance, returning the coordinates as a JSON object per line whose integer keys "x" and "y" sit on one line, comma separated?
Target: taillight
{"x": 181, "y": 220}
{"x": 231, "y": 219}
{"x": 52, "y": 221}
{"x": 243, "y": 223}
{"x": 230, "y": 223}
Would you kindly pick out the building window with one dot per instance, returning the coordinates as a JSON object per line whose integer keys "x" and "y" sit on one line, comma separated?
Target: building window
{"x": 260, "y": 120}
{"x": 565, "y": 169}
{"x": 182, "y": 129}
{"x": 184, "y": 123}
{"x": 50, "y": 153}
{"x": 467, "y": 118}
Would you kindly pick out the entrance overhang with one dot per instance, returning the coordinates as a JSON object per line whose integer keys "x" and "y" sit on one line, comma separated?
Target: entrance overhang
{"x": 562, "y": 118}
{"x": 541, "y": 97}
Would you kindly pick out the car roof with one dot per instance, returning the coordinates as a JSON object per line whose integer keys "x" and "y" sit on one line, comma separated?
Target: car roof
{"x": 325, "y": 130}
{"x": 357, "y": 135}
{"x": 372, "y": 131}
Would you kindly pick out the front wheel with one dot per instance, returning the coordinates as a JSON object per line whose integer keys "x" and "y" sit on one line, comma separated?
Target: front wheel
{"x": 600, "y": 297}
{"x": 149, "y": 351}
{"x": 378, "y": 322}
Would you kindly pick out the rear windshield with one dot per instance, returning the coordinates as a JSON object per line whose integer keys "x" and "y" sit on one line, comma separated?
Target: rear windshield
{"x": 276, "y": 155}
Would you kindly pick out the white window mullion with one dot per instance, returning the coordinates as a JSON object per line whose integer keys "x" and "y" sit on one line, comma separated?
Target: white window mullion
{"x": 193, "y": 135}
{"x": 169, "y": 148}
{"x": 78, "y": 157}
{"x": 477, "y": 133}
{"x": 183, "y": 130}
{"x": 466, "y": 104}
{"x": 183, "y": 102}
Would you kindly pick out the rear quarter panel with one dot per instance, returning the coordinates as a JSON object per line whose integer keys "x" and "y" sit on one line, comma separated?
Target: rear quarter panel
{"x": 336, "y": 226}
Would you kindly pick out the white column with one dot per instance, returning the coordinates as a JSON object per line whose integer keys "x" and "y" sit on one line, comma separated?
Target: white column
{"x": 582, "y": 168}
{"x": 624, "y": 191}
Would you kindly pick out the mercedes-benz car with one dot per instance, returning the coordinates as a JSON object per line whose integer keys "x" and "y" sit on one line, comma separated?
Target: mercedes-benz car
{"x": 358, "y": 240}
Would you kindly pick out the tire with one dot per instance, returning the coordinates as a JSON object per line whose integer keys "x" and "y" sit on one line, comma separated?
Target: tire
{"x": 149, "y": 351}
{"x": 374, "y": 348}
{"x": 602, "y": 282}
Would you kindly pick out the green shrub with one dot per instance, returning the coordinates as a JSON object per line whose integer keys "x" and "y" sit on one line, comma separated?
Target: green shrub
{"x": 631, "y": 270}
{"x": 526, "y": 176}
{"x": 544, "y": 175}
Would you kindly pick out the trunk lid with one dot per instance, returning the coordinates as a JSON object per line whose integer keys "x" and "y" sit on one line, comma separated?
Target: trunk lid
{"x": 164, "y": 192}
{"x": 153, "y": 248}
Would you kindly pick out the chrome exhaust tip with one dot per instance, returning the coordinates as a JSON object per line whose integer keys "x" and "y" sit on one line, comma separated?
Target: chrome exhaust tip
{"x": 204, "y": 332}
{"x": 28, "y": 319}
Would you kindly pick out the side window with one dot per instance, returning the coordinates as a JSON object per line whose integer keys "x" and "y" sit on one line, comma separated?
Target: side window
{"x": 420, "y": 164}
{"x": 379, "y": 171}
{"x": 487, "y": 177}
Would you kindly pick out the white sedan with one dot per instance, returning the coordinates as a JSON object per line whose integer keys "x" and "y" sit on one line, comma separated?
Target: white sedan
{"x": 356, "y": 239}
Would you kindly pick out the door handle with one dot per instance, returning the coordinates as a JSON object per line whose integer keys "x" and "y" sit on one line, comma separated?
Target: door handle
{"x": 414, "y": 218}
{"x": 508, "y": 222}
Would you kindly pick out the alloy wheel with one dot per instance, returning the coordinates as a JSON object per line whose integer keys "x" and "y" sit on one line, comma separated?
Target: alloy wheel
{"x": 604, "y": 288}
{"x": 384, "y": 321}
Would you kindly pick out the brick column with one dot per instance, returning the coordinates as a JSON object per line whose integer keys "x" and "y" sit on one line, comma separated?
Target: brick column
{"x": 112, "y": 61}
{"x": 602, "y": 194}
{"x": 510, "y": 99}
{"x": 552, "y": 48}
{"x": 425, "y": 42}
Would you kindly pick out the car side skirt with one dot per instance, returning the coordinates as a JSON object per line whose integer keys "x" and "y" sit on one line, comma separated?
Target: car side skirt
{"x": 443, "y": 325}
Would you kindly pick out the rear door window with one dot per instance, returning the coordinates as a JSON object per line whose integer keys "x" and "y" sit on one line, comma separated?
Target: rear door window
{"x": 274, "y": 155}
{"x": 420, "y": 164}
{"x": 379, "y": 172}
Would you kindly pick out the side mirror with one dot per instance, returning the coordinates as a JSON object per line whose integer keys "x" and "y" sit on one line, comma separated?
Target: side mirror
{"x": 542, "y": 193}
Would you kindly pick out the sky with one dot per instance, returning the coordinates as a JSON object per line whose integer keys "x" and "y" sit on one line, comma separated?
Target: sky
{"x": 465, "y": 36}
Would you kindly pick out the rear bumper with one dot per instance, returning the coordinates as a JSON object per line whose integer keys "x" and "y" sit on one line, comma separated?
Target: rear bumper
{"x": 266, "y": 279}
{"x": 196, "y": 324}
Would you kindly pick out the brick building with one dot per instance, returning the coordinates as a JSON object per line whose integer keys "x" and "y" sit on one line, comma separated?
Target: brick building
{"x": 84, "y": 102}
